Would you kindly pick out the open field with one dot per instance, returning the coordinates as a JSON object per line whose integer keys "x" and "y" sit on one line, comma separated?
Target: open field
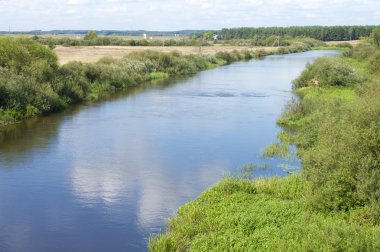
{"x": 94, "y": 53}
{"x": 352, "y": 42}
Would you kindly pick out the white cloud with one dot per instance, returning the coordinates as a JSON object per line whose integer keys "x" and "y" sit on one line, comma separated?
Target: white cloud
{"x": 78, "y": 2}
{"x": 182, "y": 14}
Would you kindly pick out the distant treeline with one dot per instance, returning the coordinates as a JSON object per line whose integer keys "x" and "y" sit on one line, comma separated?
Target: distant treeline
{"x": 115, "y": 41}
{"x": 107, "y": 32}
{"x": 207, "y": 39}
{"x": 324, "y": 33}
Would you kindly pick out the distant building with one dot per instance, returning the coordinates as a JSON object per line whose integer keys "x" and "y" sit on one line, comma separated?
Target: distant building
{"x": 215, "y": 36}
{"x": 144, "y": 35}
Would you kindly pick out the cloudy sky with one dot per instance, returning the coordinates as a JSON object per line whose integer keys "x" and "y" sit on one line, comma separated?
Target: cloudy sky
{"x": 182, "y": 14}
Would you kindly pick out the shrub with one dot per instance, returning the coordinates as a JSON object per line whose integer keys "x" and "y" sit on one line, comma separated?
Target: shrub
{"x": 375, "y": 36}
{"x": 361, "y": 52}
{"x": 71, "y": 82}
{"x": 374, "y": 63}
{"x": 343, "y": 163}
{"x": 21, "y": 54}
{"x": 226, "y": 56}
{"x": 327, "y": 72}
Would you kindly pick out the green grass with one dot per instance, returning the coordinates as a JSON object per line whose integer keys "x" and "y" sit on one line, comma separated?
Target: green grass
{"x": 263, "y": 215}
{"x": 158, "y": 75}
{"x": 359, "y": 65}
{"x": 314, "y": 98}
{"x": 333, "y": 48}
{"x": 328, "y": 94}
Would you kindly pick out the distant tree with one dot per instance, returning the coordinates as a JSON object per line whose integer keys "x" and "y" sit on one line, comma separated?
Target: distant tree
{"x": 208, "y": 35}
{"x": 91, "y": 35}
{"x": 376, "y": 37}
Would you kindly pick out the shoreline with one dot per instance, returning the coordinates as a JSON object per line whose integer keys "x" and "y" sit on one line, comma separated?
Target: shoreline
{"x": 289, "y": 213}
{"x": 97, "y": 85}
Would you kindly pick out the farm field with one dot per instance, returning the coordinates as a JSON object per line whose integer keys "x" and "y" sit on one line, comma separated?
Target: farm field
{"x": 94, "y": 53}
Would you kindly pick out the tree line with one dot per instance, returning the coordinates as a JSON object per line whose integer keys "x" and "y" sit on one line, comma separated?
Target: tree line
{"x": 324, "y": 33}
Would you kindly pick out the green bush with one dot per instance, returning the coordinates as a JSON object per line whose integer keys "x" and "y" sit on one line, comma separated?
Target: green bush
{"x": 226, "y": 57}
{"x": 71, "y": 82}
{"x": 375, "y": 36}
{"x": 327, "y": 72}
{"x": 338, "y": 139}
{"x": 343, "y": 162}
{"x": 20, "y": 55}
{"x": 361, "y": 52}
{"x": 374, "y": 63}
{"x": 344, "y": 45}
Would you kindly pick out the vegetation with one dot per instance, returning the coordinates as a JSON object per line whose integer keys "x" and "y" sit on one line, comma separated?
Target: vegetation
{"x": 32, "y": 83}
{"x": 337, "y": 130}
{"x": 107, "y": 32}
{"x": 92, "y": 39}
{"x": 264, "y": 36}
{"x": 338, "y": 141}
{"x": 333, "y": 203}
{"x": 274, "y": 41}
{"x": 263, "y": 215}
{"x": 324, "y": 33}
{"x": 327, "y": 72}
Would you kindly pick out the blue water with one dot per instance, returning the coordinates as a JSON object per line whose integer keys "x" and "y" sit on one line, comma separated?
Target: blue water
{"x": 102, "y": 177}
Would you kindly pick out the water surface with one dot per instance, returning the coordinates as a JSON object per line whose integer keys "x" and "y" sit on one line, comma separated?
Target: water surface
{"x": 102, "y": 177}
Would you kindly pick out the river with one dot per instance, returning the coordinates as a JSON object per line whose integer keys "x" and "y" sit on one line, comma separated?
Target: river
{"x": 102, "y": 177}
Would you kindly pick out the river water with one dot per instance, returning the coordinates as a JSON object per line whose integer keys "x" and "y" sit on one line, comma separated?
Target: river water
{"x": 102, "y": 177}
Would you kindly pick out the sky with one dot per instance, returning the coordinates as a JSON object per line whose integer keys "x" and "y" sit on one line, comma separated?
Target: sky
{"x": 171, "y": 15}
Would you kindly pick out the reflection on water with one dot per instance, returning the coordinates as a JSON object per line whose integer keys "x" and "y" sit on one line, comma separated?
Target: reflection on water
{"x": 102, "y": 177}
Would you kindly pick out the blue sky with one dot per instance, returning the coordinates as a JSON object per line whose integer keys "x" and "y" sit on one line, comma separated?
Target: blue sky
{"x": 182, "y": 14}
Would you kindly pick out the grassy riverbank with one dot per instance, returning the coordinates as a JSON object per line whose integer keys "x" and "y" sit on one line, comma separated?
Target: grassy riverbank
{"x": 264, "y": 215}
{"x": 332, "y": 204}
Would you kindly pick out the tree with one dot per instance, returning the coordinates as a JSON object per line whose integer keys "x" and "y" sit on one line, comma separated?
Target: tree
{"x": 376, "y": 37}
{"x": 91, "y": 35}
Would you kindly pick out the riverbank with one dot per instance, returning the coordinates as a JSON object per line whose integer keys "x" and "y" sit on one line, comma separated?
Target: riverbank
{"x": 263, "y": 215}
{"x": 34, "y": 84}
{"x": 333, "y": 203}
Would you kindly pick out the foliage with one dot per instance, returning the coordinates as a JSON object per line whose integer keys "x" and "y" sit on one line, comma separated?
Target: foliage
{"x": 280, "y": 41}
{"x": 91, "y": 35}
{"x": 71, "y": 82}
{"x": 374, "y": 63}
{"x": 25, "y": 57}
{"x": 92, "y": 39}
{"x": 361, "y": 52}
{"x": 335, "y": 199}
{"x": 26, "y": 70}
{"x": 337, "y": 134}
{"x": 376, "y": 37}
{"x": 32, "y": 83}
{"x": 324, "y": 33}
{"x": 263, "y": 215}
{"x": 339, "y": 145}
{"x": 327, "y": 72}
